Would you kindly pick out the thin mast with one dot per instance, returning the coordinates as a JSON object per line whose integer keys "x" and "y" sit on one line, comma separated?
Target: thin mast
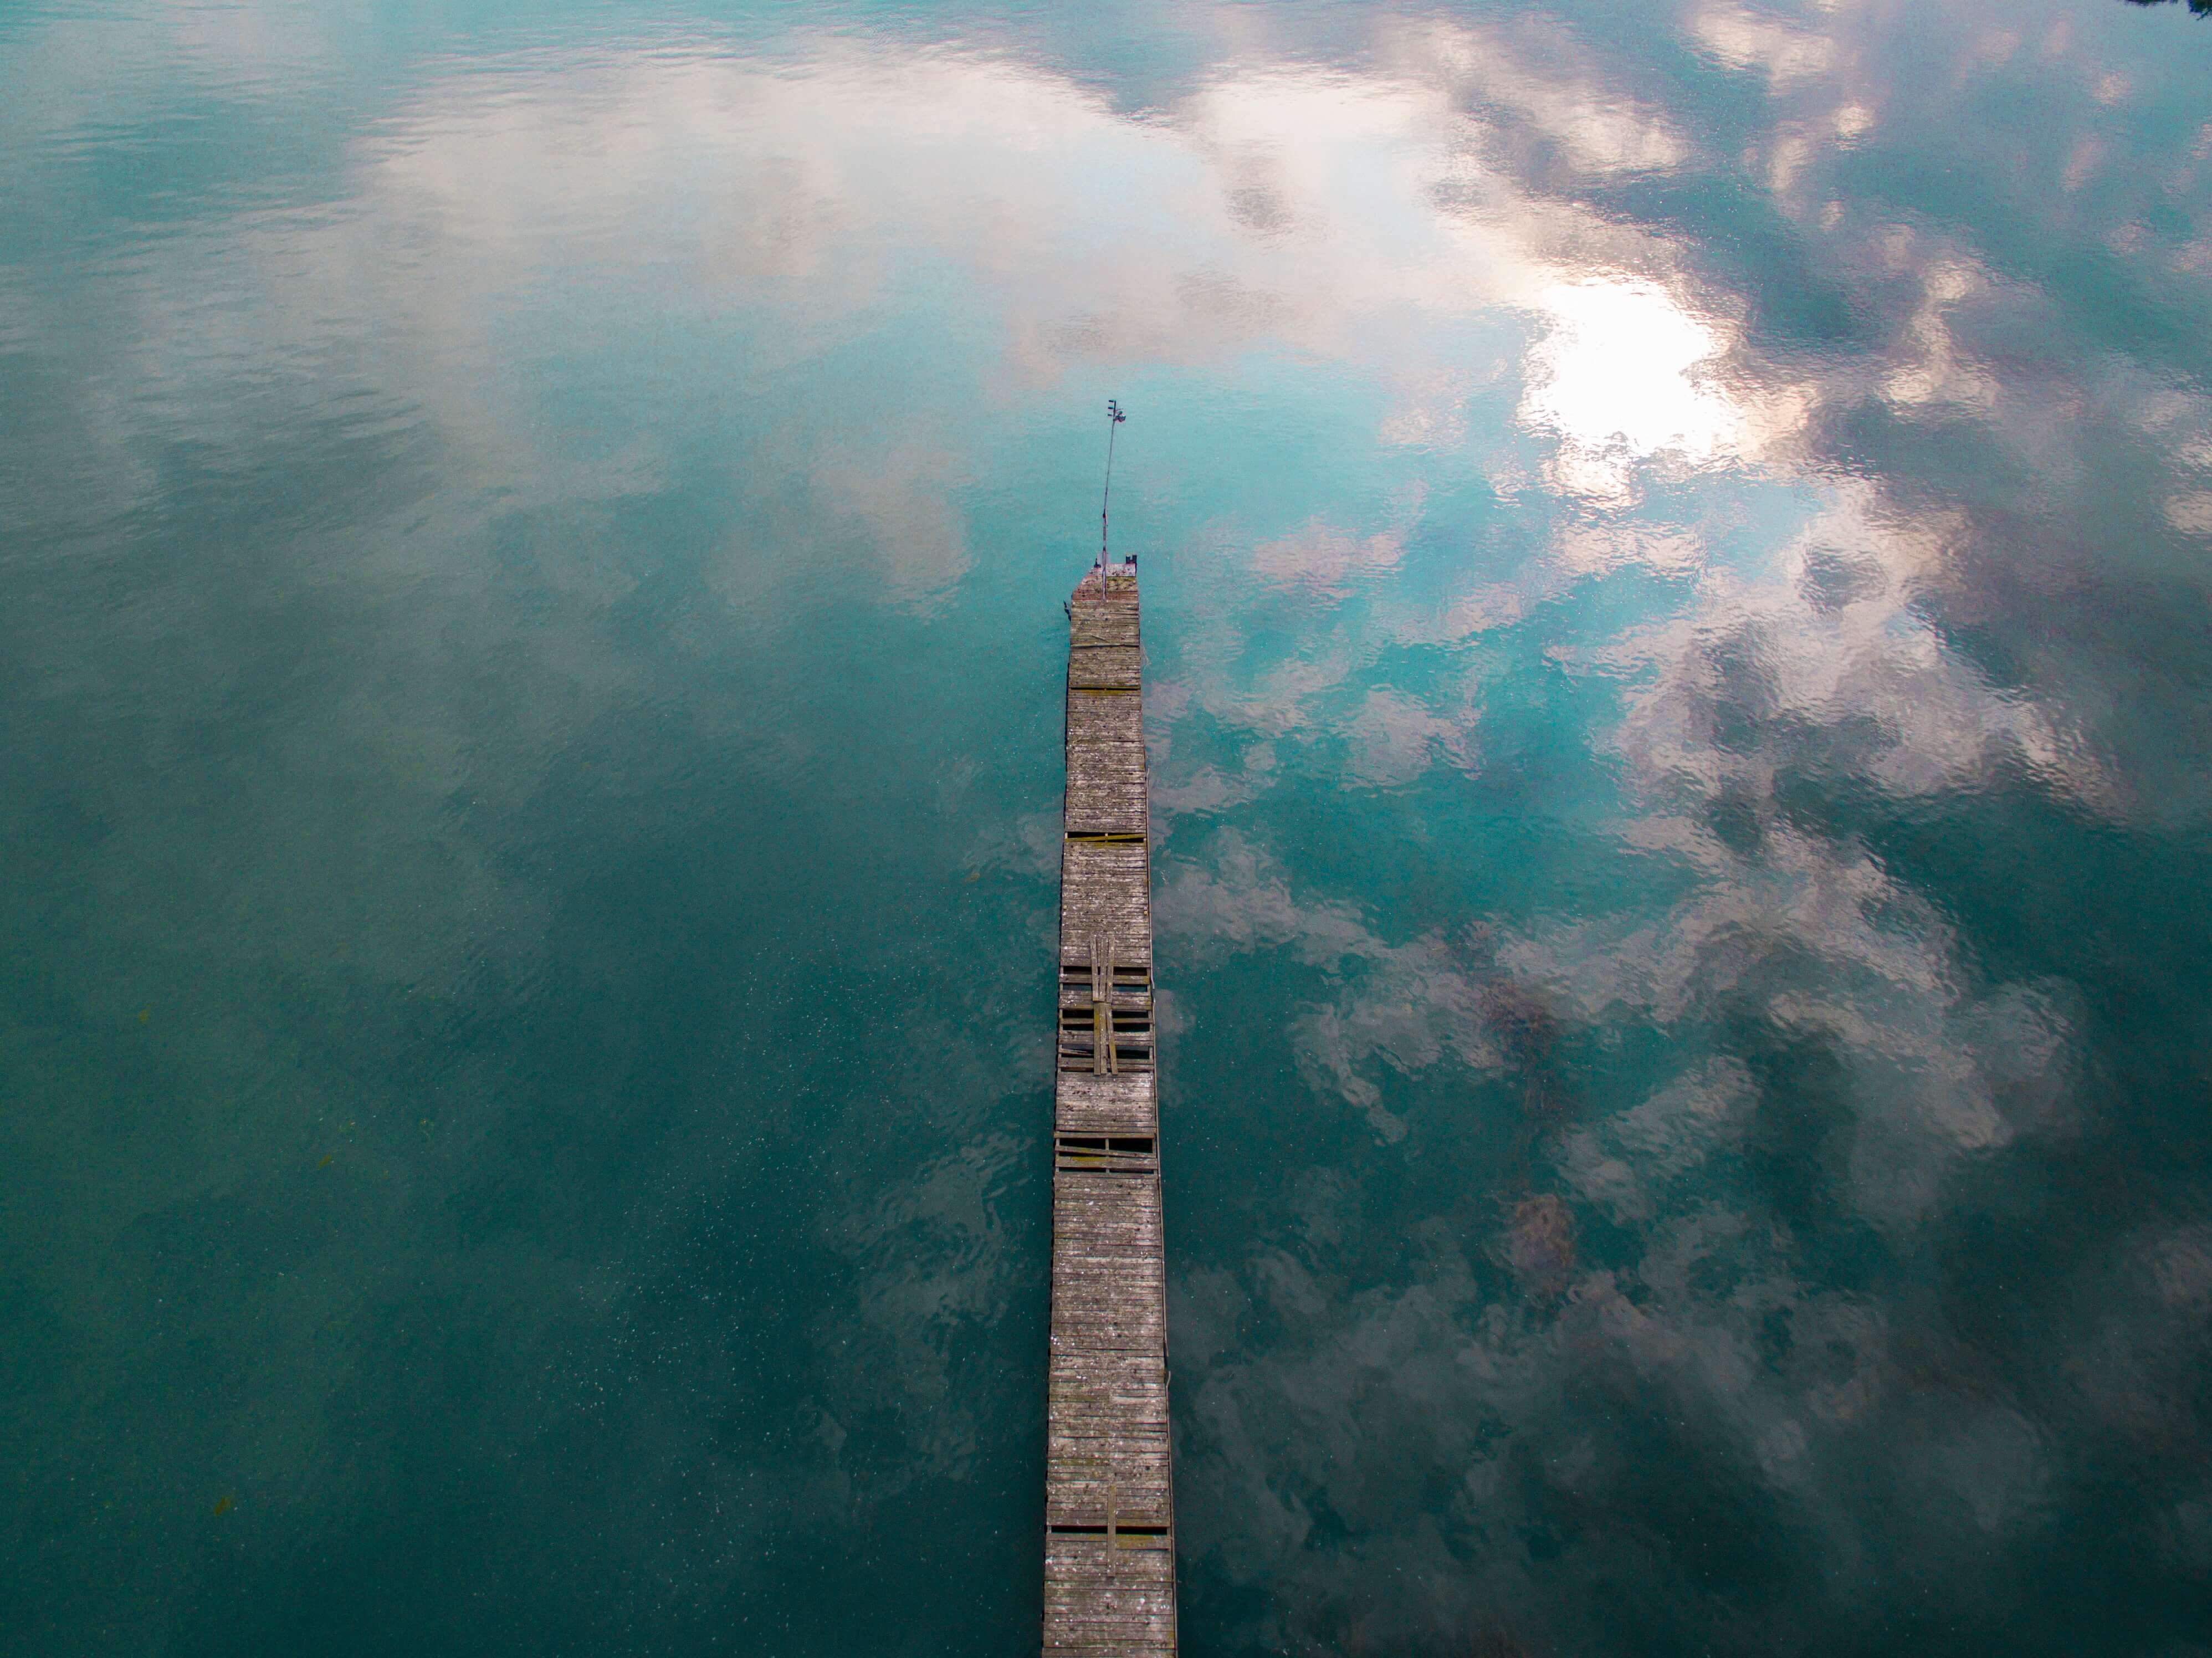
{"x": 1113, "y": 418}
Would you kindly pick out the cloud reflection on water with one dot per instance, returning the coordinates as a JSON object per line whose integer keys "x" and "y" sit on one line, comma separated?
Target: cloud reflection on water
{"x": 1759, "y": 564}
{"x": 1342, "y": 218}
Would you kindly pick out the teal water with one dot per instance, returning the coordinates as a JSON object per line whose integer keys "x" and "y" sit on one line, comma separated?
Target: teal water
{"x": 1675, "y": 547}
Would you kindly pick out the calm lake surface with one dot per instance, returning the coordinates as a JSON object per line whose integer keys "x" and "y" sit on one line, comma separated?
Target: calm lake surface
{"x": 1678, "y": 557}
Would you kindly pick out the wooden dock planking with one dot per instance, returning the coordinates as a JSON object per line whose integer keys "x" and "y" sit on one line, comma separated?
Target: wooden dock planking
{"x": 1110, "y": 1496}
{"x": 1106, "y": 792}
{"x": 1121, "y": 1104}
{"x": 1115, "y": 718}
{"x": 1103, "y": 668}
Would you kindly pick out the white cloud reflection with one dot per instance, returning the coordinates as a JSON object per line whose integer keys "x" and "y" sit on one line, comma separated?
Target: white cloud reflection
{"x": 1618, "y": 378}
{"x": 1429, "y": 224}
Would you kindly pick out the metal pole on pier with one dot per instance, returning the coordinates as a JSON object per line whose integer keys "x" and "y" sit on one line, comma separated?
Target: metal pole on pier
{"x": 1113, "y": 418}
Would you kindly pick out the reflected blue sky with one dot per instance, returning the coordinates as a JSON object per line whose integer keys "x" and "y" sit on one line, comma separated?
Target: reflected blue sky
{"x": 1677, "y": 666}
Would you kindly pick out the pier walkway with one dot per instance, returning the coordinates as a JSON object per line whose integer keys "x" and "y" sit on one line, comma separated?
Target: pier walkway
{"x": 1109, "y": 1525}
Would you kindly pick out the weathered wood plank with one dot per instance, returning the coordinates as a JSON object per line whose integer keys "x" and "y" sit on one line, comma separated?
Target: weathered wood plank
{"x": 1078, "y": 953}
{"x": 1086, "y": 1227}
{"x": 1107, "y": 798}
{"x": 1108, "y": 1460}
{"x": 1086, "y": 1232}
{"x": 1104, "y": 862}
{"x": 1105, "y": 1336}
{"x": 1102, "y": 766}
{"x": 1088, "y": 1243}
{"x": 1127, "y": 1000}
{"x": 1088, "y": 1469}
{"x": 1082, "y": 1556}
{"x": 1104, "y": 1391}
{"x": 1097, "y": 1436}
{"x": 1091, "y": 1481}
{"x": 1106, "y": 1294}
{"x": 1095, "y": 719}
{"x": 1134, "y": 1466}
{"x": 1139, "y": 1502}
{"x": 1104, "y": 761}
{"x": 1108, "y": 880}
{"x": 1108, "y": 805}
{"x": 1102, "y": 754}
{"x": 1104, "y": 1094}
{"x": 1123, "y": 1104}
{"x": 1100, "y": 1455}
{"x": 1115, "y": 771}
{"x": 1102, "y": 624}
{"x": 1104, "y": 667}
{"x": 1089, "y": 1212}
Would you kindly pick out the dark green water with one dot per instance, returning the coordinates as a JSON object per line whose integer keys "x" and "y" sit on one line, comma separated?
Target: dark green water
{"x": 1677, "y": 543}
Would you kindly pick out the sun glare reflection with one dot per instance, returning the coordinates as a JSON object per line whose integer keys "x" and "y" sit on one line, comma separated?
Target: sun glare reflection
{"x": 1616, "y": 377}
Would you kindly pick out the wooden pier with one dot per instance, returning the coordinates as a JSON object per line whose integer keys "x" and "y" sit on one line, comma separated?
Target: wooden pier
{"x": 1109, "y": 1498}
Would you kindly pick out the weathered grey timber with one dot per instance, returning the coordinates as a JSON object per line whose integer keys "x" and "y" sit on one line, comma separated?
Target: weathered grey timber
{"x": 1108, "y": 1494}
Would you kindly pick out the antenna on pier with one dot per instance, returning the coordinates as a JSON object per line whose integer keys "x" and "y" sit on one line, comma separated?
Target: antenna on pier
{"x": 1113, "y": 418}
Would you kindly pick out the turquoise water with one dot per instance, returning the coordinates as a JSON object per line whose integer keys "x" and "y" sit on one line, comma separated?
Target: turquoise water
{"x": 1675, "y": 548}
